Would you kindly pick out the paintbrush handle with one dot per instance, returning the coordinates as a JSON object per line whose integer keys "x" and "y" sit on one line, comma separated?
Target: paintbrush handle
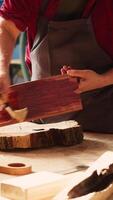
{"x": 8, "y": 108}
{"x": 18, "y": 115}
{"x": 10, "y": 111}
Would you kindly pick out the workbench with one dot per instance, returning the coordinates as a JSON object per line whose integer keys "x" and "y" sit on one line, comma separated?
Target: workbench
{"x": 63, "y": 160}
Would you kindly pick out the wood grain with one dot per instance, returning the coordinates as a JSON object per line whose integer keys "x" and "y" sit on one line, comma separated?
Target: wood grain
{"x": 43, "y": 98}
{"x": 23, "y": 135}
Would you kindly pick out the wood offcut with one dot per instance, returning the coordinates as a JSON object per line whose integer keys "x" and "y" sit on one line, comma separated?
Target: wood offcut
{"x": 15, "y": 168}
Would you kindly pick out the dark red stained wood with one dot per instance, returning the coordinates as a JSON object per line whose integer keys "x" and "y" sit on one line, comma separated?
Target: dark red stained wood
{"x": 44, "y": 98}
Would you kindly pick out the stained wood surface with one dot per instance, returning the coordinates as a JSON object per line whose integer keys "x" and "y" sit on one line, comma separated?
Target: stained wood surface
{"x": 29, "y": 135}
{"x": 43, "y": 98}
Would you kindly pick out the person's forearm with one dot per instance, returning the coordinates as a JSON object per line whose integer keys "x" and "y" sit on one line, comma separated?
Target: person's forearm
{"x": 90, "y": 80}
{"x": 108, "y": 77}
{"x": 6, "y": 49}
{"x": 7, "y": 43}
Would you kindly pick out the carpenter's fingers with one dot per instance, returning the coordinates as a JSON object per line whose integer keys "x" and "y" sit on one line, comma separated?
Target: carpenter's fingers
{"x": 78, "y": 91}
{"x": 3, "y": 98}
{"x": 77, "y": 73}
{"x": 64, "y": 69}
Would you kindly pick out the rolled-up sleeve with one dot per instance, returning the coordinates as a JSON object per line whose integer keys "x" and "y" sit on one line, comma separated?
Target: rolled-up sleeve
{"x": 18, "y": 11}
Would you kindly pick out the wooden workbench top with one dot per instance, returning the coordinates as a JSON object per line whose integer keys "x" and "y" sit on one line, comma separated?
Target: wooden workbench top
{"x": 63, "y": 160}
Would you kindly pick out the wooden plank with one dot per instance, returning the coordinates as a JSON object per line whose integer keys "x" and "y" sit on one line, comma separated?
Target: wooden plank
{"x": 36, "y": 186}
{"x": 102, "y": 164}
{"x": 43, "y": 98}
{"x": 30, "y": 135}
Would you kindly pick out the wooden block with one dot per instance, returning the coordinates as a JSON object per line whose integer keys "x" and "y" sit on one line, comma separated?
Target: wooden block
{"x": 43, "y": 98}
{"x": 30, "y": 135}
{"x": 36, "y": 186}
{"x": 100, "y": 166}
{"x": 3, "y": 198}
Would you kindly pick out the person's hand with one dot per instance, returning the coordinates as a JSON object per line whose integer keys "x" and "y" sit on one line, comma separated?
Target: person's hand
{"x": 4, "y": 87}
{"x": 64, "y": 69}
{"x": 88, "y": 79}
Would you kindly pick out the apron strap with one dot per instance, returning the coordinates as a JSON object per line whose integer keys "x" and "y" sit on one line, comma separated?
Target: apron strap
{"x": 89, "y": 7}
{"x": 43, "y": 7}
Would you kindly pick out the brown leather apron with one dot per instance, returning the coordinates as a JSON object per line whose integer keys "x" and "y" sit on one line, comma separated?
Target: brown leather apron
{"x": 73, "y": 43}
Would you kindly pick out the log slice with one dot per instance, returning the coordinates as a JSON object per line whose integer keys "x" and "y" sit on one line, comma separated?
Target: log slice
{"x": 31, "y": 135}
